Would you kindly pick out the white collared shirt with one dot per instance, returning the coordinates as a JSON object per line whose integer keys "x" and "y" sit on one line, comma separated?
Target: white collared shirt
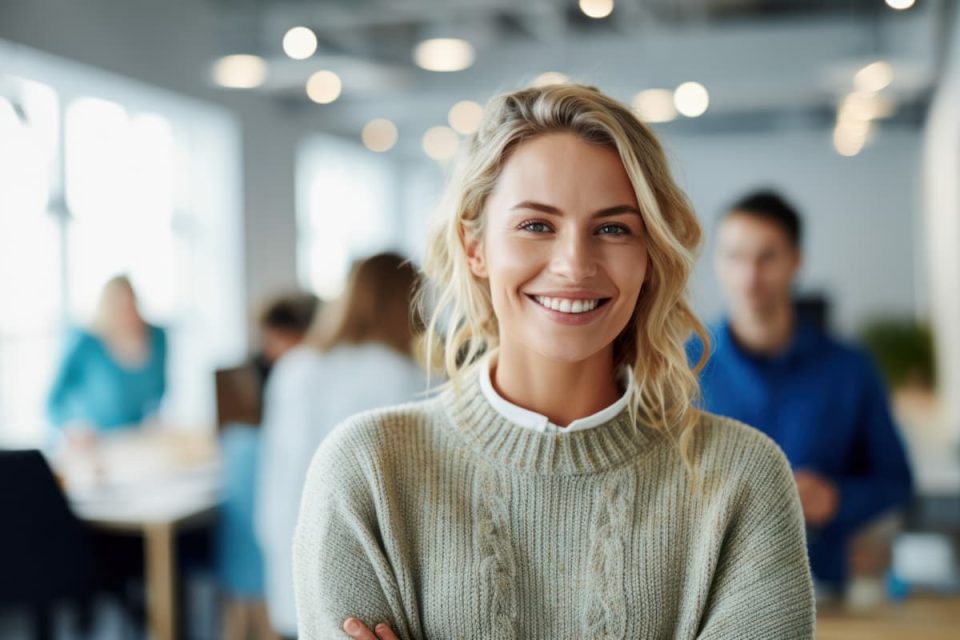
{"x": 541, "y": 423}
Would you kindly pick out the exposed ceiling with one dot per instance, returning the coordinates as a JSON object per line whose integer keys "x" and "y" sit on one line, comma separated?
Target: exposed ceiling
{"x": 766, "y": 63}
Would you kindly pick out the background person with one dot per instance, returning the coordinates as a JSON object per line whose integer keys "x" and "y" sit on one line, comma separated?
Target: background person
{"x": 821, "y": 400}
{"x": 357, "y": 356}
{"x": 112, "y": 375}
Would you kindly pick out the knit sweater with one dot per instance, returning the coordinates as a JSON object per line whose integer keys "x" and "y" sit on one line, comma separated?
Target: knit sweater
{"x": 444, "y": 520}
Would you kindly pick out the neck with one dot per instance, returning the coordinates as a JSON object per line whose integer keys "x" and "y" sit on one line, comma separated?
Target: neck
{"x": 764, "y": 333}
{"x": 562, "y": 391}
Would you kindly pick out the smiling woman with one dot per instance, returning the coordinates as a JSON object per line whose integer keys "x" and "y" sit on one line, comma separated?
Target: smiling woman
{"x": 563, "y": 484}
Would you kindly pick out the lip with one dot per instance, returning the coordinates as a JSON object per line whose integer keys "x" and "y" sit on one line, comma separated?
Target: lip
{"x": 571, "y": 319}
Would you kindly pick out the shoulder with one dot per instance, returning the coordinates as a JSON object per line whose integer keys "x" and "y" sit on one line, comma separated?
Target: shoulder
{"x": 850, "y": 361}
{"x": 730, "y": 448}
{"x": 77, "y": 335}
{"x": 372, "y": 441}
{"x": 298, "y": 363}
{"x": 372, "y": 431}
{"x": 382, "y": 355}
{"x": 695, "y": 345}
{"x": 78, "y": 341}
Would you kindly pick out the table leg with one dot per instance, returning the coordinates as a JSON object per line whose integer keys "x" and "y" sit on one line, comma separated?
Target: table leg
{"x": 161, "y": 577}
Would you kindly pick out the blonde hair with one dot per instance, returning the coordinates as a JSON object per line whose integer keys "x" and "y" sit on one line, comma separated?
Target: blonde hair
{"x": 374, "y": 307}
{"x": 653, "y": 343}
{"x": 104, "y": 318}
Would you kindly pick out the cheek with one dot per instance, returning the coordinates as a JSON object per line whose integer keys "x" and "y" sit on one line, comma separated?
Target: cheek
{"x": 629, "y": 272}
{"x": 511, "y": 263}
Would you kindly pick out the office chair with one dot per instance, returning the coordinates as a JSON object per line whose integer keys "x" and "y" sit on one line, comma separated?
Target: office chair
{"x": 45, "y": 552}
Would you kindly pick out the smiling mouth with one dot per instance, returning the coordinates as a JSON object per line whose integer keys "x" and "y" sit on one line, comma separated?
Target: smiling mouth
{"x": 568, "y": 305}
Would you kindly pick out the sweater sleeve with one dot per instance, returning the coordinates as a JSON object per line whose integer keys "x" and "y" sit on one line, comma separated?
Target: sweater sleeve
{"x": 878, "y": 476}
{"x": 59, "y": 401}
{"x": 762, "y": 586}
{"x": 341, "y": 568}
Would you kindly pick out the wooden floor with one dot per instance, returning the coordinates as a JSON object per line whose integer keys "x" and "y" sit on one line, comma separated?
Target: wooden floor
{"x": 926, "y": 617}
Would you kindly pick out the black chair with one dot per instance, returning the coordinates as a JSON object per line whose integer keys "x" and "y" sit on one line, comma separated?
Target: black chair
{"x": 45, "y": 552}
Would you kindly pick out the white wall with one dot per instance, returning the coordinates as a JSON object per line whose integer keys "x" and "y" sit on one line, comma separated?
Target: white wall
{"x": 941, "y": 158}
{"x": 859, "y": 213}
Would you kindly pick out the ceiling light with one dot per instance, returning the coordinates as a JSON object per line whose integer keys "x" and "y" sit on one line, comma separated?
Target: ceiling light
{"x": 655, "y": 105}
{"x": 444, "y": 54}
{"x": 596, "y": 8}
{"x": 465, "y": 117}
{"x": 876, "y": 76}
{"x": 549, "y": 78}
{"x": 324, "y": 87}
{"x": 440, "y": 143}
{"x": 240, "y": 71}
{"x": 849, "y": 138}
{"x": 691, "y": 99}
{"x": 379, "y": 135}
{"x": 300, "y": 43}
{"x": 865, "y": 106}
{"x": 900, "y": 5}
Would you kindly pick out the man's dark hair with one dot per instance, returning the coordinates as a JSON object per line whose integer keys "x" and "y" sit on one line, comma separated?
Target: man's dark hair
{"x": 291, "y": 312}
{"x": 769, "y": 205}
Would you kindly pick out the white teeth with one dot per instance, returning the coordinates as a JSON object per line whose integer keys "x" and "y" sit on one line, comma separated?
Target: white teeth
{"x": 566, "y": 305}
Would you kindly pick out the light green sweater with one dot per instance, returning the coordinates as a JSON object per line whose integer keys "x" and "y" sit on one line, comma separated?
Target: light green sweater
{"x": 446, "y": 521}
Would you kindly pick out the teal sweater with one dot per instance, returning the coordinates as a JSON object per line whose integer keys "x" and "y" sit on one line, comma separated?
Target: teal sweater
{"x": 446, "y": 521}
{"x": 92, "y": 387}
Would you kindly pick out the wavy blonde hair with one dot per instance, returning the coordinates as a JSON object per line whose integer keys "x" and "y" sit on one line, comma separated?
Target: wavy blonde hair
{"x": 653, "y": 342}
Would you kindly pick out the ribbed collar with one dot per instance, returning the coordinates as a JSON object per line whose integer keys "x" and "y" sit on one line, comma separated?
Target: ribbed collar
{"x": 499, "y": 440}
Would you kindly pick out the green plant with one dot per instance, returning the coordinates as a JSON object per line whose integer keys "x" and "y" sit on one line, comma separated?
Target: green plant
{"x": 903, "y": 349}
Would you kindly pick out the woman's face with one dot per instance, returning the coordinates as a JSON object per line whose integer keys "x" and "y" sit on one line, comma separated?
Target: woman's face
{"x": 563, "y": 249}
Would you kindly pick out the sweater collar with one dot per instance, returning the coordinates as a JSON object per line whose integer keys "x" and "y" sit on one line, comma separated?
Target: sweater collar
{"x": 613, "y": 442}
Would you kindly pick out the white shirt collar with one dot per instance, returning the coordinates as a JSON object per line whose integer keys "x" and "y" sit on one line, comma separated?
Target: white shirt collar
{"x": 540, "y": 423}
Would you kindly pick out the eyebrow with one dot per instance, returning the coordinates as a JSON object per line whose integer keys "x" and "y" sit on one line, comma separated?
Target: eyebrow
{"x": 602, "y": 213}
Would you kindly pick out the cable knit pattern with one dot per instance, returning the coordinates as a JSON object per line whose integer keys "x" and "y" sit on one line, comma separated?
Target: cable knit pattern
{"x": 605, "y": 610}
{"x": 497, "y": 562}
{"x": 445, "y": 520}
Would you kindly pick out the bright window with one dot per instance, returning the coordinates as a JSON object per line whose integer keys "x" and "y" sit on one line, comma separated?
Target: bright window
{"x": 345, "y": 212}
{"x": 98, "y": 183}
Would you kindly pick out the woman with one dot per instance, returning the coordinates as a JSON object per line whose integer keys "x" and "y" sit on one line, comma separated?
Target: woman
{"x": 564, "y": 485}
{"x": 113, "y": 375}
{"x": 357, "y": 356}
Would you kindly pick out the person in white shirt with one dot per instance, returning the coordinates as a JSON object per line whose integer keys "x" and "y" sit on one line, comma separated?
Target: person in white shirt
{"x": 357, "y": 356}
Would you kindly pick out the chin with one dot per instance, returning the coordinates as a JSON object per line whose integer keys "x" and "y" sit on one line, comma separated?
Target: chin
{"x": 569, "y": 353}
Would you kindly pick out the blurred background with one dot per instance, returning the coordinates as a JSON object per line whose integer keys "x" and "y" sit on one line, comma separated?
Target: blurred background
{"x": 221, "y": 152}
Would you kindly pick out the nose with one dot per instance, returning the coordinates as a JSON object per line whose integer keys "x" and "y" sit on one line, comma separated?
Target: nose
{"x": 573, "y": 258}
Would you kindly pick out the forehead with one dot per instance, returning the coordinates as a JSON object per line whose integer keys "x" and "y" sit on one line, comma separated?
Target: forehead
{"x": 749, "y": 231}
{"x": 562, "y": 169}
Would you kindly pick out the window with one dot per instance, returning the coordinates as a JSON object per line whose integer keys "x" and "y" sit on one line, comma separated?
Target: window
{"x": 95, "y": 182}
{"x": 345, "y": 211}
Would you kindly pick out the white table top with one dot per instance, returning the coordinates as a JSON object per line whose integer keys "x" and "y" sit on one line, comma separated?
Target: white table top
{"x": 144, "y": 477}
{"x": 177, "y": 497}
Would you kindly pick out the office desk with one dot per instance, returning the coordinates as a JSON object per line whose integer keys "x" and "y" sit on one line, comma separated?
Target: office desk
{"x": 929, "y": 617}
{"x": 163, "y": 500}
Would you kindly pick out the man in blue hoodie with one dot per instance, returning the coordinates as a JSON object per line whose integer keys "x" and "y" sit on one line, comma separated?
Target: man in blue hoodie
{"x": 819, "y": 399}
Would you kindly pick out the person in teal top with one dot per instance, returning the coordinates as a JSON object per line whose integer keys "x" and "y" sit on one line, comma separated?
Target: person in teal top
{"x": 112, "y": 375}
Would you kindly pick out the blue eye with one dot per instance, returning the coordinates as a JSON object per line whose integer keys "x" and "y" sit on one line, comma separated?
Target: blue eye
{"x": 614, "y": 229}
{"x": 535, "y": 226}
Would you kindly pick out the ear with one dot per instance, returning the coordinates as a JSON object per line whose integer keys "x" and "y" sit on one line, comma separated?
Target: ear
{"x": 475, "y": 258}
